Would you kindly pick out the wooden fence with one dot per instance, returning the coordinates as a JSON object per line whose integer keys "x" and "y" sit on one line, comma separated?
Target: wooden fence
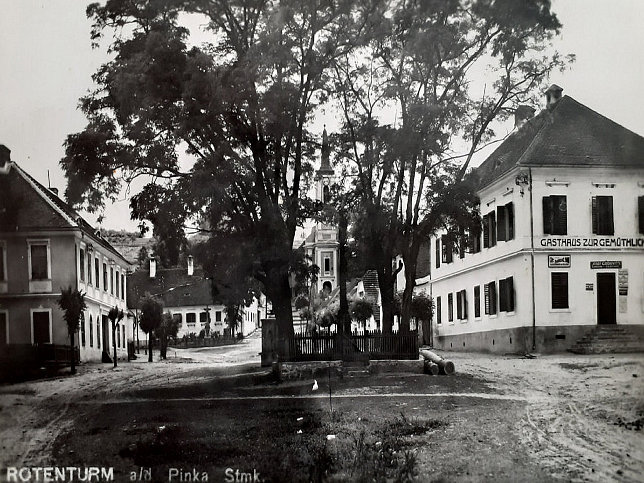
{"x": 328, "y": 347}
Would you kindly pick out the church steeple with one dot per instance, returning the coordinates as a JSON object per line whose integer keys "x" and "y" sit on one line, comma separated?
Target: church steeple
{"x": 325, "y": 165}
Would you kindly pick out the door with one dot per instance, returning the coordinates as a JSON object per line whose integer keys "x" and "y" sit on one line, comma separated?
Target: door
{"x": 105, "y": 322}
{"x": 606, "y": 300}
{"x": 3, "y": 328}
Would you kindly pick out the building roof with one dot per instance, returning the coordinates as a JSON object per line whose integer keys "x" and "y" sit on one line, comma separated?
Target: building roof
{"x": 566, "y": 134}
{"x": 41, "y": 209}
{"x": 371, "y": 291}
{"x": 173, "y": 286}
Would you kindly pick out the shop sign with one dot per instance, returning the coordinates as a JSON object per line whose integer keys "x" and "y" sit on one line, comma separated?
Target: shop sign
{"x": 622, "y": 281}
{"x": 558, "y": 261}
{"x": 605, "y": 264}
{"x": 580, "y": 242}
{"x": 589, "y": 287}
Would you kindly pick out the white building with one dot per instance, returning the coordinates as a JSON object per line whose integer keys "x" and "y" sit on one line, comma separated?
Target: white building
{"x": 562, "y": 201}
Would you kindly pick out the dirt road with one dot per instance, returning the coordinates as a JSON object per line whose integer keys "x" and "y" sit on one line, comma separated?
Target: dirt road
{"x": 552, "y": 418}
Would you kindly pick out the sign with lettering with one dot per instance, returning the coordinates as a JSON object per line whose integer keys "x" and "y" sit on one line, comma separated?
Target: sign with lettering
{"x": 622, "y": 281}
{"x": 589, "y": 287}
{"x": 605, "y": 264}
{"x": 581, "y": 242}
{"x": 558, "y": 261}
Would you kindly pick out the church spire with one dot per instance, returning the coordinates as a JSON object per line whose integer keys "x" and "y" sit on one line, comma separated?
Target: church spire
{"x": 325, "y": 165}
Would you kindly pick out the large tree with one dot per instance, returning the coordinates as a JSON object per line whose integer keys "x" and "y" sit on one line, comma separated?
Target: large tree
{"x": 239, "y": 103}
{"x": 115, "y": 315}
{"x": 150, "y": 320}
{"x": 419, "y": 67}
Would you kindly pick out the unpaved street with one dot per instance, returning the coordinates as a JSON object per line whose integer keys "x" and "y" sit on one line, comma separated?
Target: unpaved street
{"x": 567, "y": 418}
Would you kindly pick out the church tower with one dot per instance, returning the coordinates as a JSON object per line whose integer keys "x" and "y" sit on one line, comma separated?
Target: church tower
{"x": 322, "y": 244}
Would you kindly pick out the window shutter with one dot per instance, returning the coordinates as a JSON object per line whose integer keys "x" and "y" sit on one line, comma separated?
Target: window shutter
{"x": 609, "y": 224}
{"x": 547, "y": 215}
{"x": 438, "y": 310}
{"x": 492, "y": 229}
{"x": 459, "y": 306}
{"x": 509, "y": 212}
{"x": 559, "y": 290}
{"x": 500, "y": 216}
{"x": 486, "y": 293}
{"x": 560, "y": 215}
{"x": 510, "y": 288}
{"x": 477, "y": 301}
{"x": 595, "y": 216}
{"x": 493, "y": 298}
{"x": 450, "y": 307}
{"x": 464, "y": 292}
{"x": 462, "y": 240}
{"x": 438, "y": 252}
{"x": 502, "y": 299}
{"x": 640, "y": 207}
{"x": 486, "y": 231}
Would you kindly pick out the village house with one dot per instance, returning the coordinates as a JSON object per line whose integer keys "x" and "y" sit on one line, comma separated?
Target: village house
{"x": 562, "y": 244}
{"x": 185, "y": 292}
{"x": 46, "y": 246}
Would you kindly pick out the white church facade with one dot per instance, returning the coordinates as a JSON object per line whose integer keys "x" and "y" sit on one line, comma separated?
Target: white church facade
{"x": 562, "y": 243}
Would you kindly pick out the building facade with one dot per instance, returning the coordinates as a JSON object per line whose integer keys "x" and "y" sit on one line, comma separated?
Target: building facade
{"x": 562, "y": 242}
{"x": 46, "y": 246}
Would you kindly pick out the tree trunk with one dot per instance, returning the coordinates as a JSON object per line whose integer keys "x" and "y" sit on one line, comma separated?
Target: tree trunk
{"x": 73, "y": 355}
{"x": 150, "y": 347}
{"x": 386, "y": 285}
{"x": 114, "y": 343}
{"x": 410, "y": 259}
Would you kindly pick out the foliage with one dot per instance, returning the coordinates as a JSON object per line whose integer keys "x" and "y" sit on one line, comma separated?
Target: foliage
{"x": 301, "y": 302}
{"x": 361, "y": 310}
{"x": 167, "y": 329}
{"x": 422, "y": 307}
{"x": 151, "y": 313}
{"x": 72, "y": 303}
{"x": 115, "y": 315}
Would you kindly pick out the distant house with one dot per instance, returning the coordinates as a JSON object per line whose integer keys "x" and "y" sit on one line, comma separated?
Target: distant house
{"x": 185, "y": 293}
{"x": 45, "y": 246}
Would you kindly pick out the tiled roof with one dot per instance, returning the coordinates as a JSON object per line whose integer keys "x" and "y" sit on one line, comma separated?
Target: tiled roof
{"x": 371, "y": 290}
{"x": 173, "y": 286}
{"x": 568, "y": 134}
{"x": 41, "y": 209}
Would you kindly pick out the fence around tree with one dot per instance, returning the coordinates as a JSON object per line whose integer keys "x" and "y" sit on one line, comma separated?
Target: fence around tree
{"x": 374, "y": 346}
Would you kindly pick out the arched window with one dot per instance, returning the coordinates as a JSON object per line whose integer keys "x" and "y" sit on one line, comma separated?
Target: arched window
{"x": 91, "y": 332}
{"x": 82, "y": 328}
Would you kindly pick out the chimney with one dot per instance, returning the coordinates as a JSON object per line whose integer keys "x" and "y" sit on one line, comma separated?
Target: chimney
{"x": 5, "y": 159}
{"x": 191, "y": 266}
{"x": 553, "y": 94}
{"x": 522, "y": 114}
{"x": 153, "y": 268}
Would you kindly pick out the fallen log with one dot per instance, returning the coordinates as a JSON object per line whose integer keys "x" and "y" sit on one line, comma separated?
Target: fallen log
{"x": 445, "y": 366}
{"x": 431, "y": 368}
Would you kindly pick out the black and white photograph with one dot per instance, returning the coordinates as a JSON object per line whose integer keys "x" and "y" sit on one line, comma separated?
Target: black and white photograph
{"x": 322, "y": 241}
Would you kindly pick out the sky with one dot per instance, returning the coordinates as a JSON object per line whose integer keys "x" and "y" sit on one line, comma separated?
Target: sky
{"x": 46, "y": 63}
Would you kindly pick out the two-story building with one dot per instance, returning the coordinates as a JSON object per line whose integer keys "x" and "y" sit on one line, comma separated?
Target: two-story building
{"x": 562, "y": 243}
{"x": 46, "y": 246}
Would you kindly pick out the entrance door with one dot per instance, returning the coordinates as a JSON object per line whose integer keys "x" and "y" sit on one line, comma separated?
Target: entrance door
{"x": 105, "y": 322}
{"x": 606, "y": 301}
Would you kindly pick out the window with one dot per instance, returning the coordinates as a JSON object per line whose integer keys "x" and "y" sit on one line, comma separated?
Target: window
{"x": 82, "y": 328}
{"x": 438, "y": 310}
{"x": 506, "y": 295}
{"x": 448, "y": 249}
{"x": 559, "y": 287}
{"x": 490, "y": 298}
{"x": 438, "y": 253}
{"x": 327, "y": 262}
{"x": 450, "y": 307}
{"x": 82, "y": 264}
{"x": 112, "y": 280}
{"x": 602, "y": 207}
{"x": 178, "y": 318}
{"x": 218, "y": 316}
{"x": 489, "y": 230}
{"x": 477, "y": 301}
{"x": 461, "y": 305}
{"x": 203, "y": 317}
{"x": 122, "y": 286}
{"x": 39, "y": 261}
{"x": 191, "y": 318}
{"x": 118, "y": 336}
{"x": 3, "y": 263}
{"x": 97, "y": 271}
{"x": 91, "y": 332}
{"x": 41, "y": 328}
{"x": 555, "y": 215}
{"x": 640, "y": 212}
{"x": 89, "y": 269}
{"x": 118, "y": 276}
{"x": 98, "y": 334}
{"x": 123, "y": 334}
{"x": 105, "y": 276}
{"x": 4, "y": 328}
{"x": 505, "y": 222}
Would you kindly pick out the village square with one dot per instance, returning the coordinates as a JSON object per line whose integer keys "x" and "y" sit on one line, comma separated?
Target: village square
{"x": 345, "y": 240}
